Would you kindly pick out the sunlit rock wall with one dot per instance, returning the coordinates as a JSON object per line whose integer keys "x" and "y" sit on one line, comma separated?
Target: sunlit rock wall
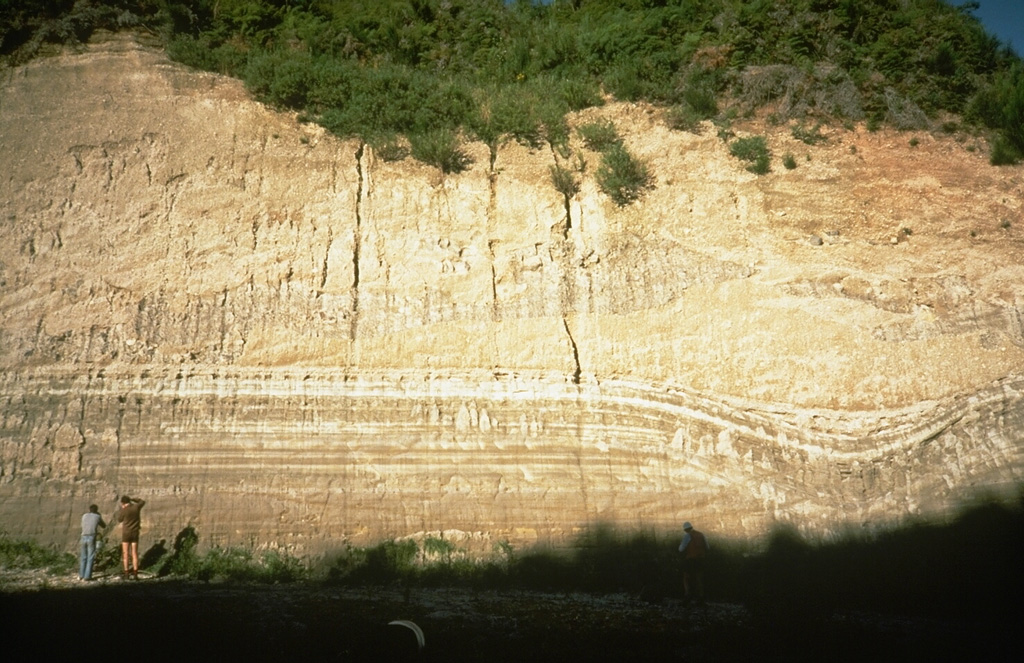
{"x": 280, "y": 339}
{"x": 310, "y": 460}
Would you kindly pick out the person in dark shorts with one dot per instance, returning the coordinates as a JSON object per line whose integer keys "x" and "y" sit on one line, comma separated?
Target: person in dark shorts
{"x": 130, "y": 518}
{"x": 694, "y": 547}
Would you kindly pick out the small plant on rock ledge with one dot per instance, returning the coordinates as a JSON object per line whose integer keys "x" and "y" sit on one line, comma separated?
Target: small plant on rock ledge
{"x": 599, "y": 136}
{"x": 753, "y": 150}
{"x": 622, "y": 177}
{"x": 565, "y": 181}
{"x": 683, "y": 118}
{"x": 390, "y": 148}
{"x": 440, "y": 148}
{"x": 810, "y": 136}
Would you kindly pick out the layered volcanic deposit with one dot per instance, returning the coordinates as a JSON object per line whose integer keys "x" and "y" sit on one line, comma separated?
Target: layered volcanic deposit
{"x": 277, "y": 338}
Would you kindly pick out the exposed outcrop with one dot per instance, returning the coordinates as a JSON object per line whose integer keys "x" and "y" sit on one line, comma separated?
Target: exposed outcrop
{"x": 275, "y": 336}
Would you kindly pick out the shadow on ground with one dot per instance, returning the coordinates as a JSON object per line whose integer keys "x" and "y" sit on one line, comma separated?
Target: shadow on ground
{"x": 931, "y": 591}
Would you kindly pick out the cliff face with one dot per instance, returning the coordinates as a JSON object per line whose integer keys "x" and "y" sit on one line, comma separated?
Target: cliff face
{"x": 276, "y": 337}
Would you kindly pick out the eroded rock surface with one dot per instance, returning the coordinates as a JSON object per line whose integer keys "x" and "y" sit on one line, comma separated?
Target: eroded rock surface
{"x": 274, "y": 336}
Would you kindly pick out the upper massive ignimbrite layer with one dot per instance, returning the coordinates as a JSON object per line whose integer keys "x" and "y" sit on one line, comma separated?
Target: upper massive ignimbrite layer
{"x": 273, "y": 335}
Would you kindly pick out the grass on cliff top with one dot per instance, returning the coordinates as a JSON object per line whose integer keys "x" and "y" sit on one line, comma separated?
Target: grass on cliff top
{"x": 966, "y": 568}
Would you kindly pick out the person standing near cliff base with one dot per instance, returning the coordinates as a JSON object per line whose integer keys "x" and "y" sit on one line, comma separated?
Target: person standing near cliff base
{"x": 91, "y": 521}
{"x": 694, "y": 548}
{"x": 130, "y": 517}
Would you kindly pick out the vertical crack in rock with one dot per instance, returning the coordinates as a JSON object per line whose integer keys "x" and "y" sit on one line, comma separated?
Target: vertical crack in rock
{"x": 566, "y": 198}
{"x": 575, "y": 352}
{"x": 81, "y": 424}
{"x": 495, "y": 309}
{"x": 121, "y": 400}
{"x": 40, "y": 330}
{"x": 493, "y": 150}
{"x": 568, "y": 217}
{"x": 225, "y": 324}
{"x": 565, "y": 255}
{"x": 357, "y": 240}
{"x": 325, "y": 264}
{"x": 90, "y": 341}
{"x": 492, "y": 205}
{"x": 108, "y": 170}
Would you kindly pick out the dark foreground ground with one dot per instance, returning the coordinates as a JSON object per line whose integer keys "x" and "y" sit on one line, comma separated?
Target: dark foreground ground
{"x": 157, "y": 620}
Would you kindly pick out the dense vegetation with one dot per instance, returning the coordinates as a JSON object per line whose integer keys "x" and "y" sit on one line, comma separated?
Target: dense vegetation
{"x": 418, "y": 76}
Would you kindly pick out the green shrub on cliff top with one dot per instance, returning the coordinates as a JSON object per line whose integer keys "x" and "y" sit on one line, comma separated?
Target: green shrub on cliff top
{"x": 441, "y": 148}
{"x": 1001, "y": 108}
{"x": 395, "y": 67}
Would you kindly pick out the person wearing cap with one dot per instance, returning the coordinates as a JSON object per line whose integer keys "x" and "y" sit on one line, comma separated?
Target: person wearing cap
{"x": 694, "y": 548}
{"x": 91, "y": 521}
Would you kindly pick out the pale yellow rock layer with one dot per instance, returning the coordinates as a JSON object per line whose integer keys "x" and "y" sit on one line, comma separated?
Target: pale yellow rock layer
{"x": 192, "y": 284}
{"x": 139, "y": 186}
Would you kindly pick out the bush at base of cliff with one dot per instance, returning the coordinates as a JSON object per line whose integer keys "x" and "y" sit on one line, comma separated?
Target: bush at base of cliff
{"x": 25, "y": 554}
{"x": 243, "y": 565}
